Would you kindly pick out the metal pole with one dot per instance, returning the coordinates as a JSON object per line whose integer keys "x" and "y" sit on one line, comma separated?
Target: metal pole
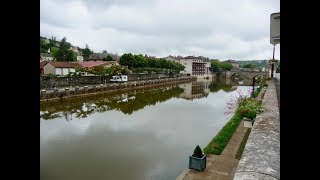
{"x": 272, "y": 65}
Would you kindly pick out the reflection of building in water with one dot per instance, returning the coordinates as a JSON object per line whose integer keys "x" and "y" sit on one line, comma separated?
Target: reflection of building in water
{"x": 196, "y": 89}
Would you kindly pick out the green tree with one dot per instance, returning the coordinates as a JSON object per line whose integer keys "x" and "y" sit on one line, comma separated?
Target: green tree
{"x": 140, "y": 61}
{"x": 127, "y": 60}
{"x": 226, "y": 66}
{"x": 64, "y": 53}
{"x": 86, "y": 52}
{"x": 108, "y": 58}
{"x": 52, "y": 43}
{"x": 54, "y": 52}
{"x": 215, "y": 65}
{"x": 43, "y": 46}
{"x": 250, "y": 66}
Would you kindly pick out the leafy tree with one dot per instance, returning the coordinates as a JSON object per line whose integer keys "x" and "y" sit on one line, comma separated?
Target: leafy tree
{"x": 226, "y": 66}
{"x": 153, "y": 62}
{"x": 127, "y": 60}
{"x": 218, "y": 66}
{"x": 43, "y": 46}
{"x": 52, "y": 43}
{"x": 215, "y": 65}
{"x": 64, "y": 53}
{"x": 250, "y": 66}
{"x": 140, "y": 61}
{"x": 86, "y": 52}
{"x": 108, "y": 58}
{"x": 54, "y": 52}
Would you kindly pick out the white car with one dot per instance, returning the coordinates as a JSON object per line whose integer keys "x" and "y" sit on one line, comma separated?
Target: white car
{"x": 120, "y": 78}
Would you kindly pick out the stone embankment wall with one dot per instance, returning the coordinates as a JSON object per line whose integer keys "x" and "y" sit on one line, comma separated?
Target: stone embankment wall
{"x": 86, "y": 80}
{"x": 261, "y": 156}
{"x": 87, "y": 90}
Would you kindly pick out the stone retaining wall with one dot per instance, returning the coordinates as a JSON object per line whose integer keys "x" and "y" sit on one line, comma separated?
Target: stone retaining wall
{"x": 261, "y": 156}
{"x": 87, "y": 90}
{"x": 86, "y": 80}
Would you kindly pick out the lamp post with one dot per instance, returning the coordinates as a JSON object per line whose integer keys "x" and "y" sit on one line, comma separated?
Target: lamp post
{"x": 272, "y": 62}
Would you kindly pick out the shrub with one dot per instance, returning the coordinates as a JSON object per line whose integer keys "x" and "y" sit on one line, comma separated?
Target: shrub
{"x": 197, "y": 152}
{"x": 47, "y": 76}
{"x": 249, "y": 108}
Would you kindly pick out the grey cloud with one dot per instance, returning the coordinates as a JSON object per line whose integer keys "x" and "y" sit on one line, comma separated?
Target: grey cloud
{"x": 216, "y": 29}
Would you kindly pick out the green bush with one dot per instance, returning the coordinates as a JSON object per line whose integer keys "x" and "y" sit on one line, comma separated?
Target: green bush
{"x": 197, "y": 152}
{"x": 47, "y": 76}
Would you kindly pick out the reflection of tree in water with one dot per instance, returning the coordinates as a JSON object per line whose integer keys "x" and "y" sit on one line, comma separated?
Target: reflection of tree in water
{"x": 83, "y": 107}
{"x": 215, "y": 87}
{"x": 49, "y": 115}
{"x": 144, "y": 99}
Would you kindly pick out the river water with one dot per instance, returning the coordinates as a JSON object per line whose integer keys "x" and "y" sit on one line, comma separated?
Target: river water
{"x": 147, "y": 134}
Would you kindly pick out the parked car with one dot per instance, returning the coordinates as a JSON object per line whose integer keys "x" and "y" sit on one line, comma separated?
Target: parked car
{"x": 119, "y": 78}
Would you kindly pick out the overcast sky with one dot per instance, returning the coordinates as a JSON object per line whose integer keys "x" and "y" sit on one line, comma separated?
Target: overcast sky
{"x": 232, "y": 29}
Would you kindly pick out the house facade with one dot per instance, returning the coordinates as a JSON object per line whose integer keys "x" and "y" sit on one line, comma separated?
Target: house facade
{"x": 45, "y": 57}
{"x": 194, "y": 66}
{"x": 60, "y": 68}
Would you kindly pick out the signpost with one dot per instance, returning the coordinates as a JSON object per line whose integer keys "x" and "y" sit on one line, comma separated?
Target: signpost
{"x": 274, "y": 34}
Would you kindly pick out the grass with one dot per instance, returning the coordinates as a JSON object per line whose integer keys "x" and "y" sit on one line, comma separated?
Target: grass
{"x": 219, "y": 142}
{"x": 243, "y": 144}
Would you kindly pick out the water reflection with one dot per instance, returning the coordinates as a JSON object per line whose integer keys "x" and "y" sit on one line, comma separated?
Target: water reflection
{"x": 146, "y": 134}
{"x": 128, "y": 102}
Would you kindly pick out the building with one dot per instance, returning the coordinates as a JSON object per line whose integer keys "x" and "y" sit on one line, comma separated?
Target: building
{"x": 79, "y": 58}
{"x": 75, "y": 49}
{"x": 100, "y": 56}
{"x": 42, "y": 64}
{"x": 97, "y": 56}
{"x": 59, "y": 68}
{"x": 194, "y": 66}
{"x": 92, "y": 64}
{"x": 45, "y": 57}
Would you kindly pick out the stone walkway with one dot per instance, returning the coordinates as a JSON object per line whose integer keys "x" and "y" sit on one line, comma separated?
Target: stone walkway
{"x": 219, "y": 167}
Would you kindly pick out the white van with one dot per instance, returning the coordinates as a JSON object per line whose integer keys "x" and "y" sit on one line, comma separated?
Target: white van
{"x": 120, "y": 78}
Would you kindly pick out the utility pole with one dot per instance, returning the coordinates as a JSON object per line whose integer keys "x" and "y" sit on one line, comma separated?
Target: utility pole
{"x": 274, "y": 35}
{"x": 272, "y": 63}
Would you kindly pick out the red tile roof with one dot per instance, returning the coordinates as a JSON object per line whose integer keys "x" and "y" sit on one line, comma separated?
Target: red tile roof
{"x": 65, "y": 64}
{"x": 42, "y": 64}
{"x": 90, "y": 64}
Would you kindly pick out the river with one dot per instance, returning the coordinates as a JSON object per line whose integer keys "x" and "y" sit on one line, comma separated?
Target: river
{"x": 146, "y": 134}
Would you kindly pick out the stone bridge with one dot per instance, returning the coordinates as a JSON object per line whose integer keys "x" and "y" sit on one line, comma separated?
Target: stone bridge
{"x": 242, "y": 74}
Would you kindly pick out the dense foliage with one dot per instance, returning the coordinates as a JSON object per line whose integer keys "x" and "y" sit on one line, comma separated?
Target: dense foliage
{"x": 136, "y": 101}
{"x": 258, "y": 63}
{"x": 64, "y": 53}
{"x": 138, "y": 62}
{"x": 108, "y": 58}
{"x": 249, "y": 65}
{"x": 218, "y": 66}
{"x": 86, "y": 52}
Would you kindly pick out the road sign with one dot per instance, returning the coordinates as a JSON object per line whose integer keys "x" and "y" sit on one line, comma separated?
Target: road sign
{"x": 275, "y": 28}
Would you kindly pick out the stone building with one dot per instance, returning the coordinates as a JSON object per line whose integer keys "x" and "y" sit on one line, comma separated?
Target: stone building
{"x": 194, "y": 66}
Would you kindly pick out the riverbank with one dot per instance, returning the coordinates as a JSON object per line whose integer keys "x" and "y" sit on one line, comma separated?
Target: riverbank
{"x": 63, "y": 93}
{"x": 224, "y": 151}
